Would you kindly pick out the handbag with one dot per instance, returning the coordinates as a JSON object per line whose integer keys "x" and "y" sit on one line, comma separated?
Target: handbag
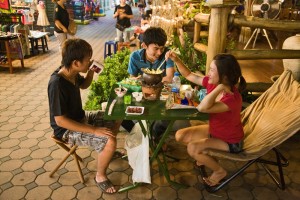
{"x": 72, "y": 29}
{"x": 120, "y": 27}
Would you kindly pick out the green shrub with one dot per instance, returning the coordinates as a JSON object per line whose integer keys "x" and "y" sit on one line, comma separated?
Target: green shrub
{"x": 115, "y": 70}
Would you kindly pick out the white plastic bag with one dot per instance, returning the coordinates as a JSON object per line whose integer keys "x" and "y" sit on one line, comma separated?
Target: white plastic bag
{"x": 137, "y": 147}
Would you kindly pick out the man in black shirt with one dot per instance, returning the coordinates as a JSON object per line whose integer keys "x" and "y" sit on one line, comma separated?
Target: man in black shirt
{"x": 123, "y": 13}
{"x": 68, "y": 120}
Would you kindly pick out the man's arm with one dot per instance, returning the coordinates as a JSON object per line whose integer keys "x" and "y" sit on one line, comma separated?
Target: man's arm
{"x": 72, "y": 125}
{"x": 61, "y": 26}
{"x": 87, "y": 80}
{"x": 124, "y": 15}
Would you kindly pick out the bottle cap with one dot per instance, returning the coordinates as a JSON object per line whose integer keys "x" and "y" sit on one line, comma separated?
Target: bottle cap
{"x": 176, "y": 74}
{"x": 175, "y": 90}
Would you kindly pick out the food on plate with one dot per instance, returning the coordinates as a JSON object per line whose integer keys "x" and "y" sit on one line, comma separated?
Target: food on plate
{"x": 134, "y": 110}
{"x": 129, "y": 81}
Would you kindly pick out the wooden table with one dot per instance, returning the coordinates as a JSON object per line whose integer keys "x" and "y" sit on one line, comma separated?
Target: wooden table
{"x": 34, "y": 41}
{"x": 8, "y": 51}
{"x": 153, "y": 110}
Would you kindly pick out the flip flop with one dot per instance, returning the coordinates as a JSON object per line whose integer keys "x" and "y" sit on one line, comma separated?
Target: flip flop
{"x": 105, "y": 185}
{"x": 213, "y": 182}
{"x": 201, "y": 169}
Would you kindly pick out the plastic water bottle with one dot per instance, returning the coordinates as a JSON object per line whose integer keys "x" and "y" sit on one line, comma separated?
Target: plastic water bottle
{"x": 176, "y": 83}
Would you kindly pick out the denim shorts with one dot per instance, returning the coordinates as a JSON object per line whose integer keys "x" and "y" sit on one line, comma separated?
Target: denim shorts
{"x": 236, "y": 147}
{"x": 87, "y": 139}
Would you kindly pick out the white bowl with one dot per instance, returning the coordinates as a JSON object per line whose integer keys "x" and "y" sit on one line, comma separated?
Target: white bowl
{"x": 120, "y": 91}
{"x": 139, "y": 98}
{"x": 135, "y": 94}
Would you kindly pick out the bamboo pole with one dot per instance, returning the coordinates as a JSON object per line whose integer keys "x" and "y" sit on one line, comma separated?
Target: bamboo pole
{"x": 217, "y": 33}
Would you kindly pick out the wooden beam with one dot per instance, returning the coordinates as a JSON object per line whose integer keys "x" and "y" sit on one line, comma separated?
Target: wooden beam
{"x": 200, "y": 47}
{"x": 265, "y": 54}
{"x": 269, "y": 24}
{"x": 202, "y": 18}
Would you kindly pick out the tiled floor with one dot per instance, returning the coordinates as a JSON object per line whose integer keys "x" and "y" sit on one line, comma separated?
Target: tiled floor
{"x": 27, "y": 154}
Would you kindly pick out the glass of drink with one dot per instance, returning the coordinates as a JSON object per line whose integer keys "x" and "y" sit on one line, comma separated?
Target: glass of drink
{"x": 96, "y": 67}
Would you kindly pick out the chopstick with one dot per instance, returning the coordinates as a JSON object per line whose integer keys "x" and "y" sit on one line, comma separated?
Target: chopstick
{"x": 163, "y": 62}
{"x": 161, "y": 65}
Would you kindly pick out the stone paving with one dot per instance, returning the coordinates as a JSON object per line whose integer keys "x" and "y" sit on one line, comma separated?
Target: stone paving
{"x": 27, "y": 154}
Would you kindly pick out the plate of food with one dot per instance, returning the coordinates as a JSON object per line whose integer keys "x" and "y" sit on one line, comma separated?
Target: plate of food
{"x": 134, "y": 110}
{"x": 131, "y": 84}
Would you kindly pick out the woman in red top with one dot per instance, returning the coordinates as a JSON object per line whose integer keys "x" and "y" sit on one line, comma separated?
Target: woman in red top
{"x": 223, "y": 102}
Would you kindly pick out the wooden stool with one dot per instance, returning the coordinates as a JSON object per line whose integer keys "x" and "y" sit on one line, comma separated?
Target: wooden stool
{"x": 122, "y": 45}
{"x": 71, "y": 151}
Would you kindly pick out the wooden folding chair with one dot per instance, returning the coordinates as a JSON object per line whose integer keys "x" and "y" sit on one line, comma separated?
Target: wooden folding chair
{"x": 269, "y": 121}
{"x": 71, "y": 152}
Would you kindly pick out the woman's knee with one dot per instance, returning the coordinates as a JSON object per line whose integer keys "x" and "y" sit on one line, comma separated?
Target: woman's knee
{"x": 179, "y": 136}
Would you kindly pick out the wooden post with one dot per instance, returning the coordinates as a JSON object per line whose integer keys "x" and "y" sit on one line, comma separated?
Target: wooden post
{"x": 197, "y": 30}
{"x": 217, "y": 32}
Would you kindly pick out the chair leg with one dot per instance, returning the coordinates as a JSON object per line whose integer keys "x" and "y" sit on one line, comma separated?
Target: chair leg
{"x": 78, "y": 168}
{"x": 280, "y": 162}
{"x": 213, "y": 189}
{"x": 71, "y": 152}
{"x": 63, "y": 160}
{"x": 65, "y": 147}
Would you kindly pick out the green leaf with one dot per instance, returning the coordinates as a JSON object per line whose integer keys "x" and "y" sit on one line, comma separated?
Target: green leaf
{"x": 115, "y": 70}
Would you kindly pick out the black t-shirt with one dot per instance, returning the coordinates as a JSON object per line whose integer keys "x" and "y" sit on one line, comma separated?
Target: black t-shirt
{"x": 124, "y": 9}
{"x": 61, "y": 15}
{"x": 64, "y": 99}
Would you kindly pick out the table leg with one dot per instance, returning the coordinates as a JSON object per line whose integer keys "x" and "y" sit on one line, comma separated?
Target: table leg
{"x": 8, "y": 56}
{"x": 46, "y": 38}
{"x": 43, "y": 43}
{"x": 162, "y": 140}
{"x": 163, "y": 165}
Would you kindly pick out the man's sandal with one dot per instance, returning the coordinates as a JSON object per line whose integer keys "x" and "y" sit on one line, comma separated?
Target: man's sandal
{"x": 105, "y": 185}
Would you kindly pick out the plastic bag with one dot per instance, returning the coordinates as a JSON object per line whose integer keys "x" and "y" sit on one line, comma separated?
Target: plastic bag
{"x": 137, "y": 147}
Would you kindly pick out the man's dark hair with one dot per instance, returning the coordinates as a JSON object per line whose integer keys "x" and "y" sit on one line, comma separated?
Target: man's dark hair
{"x": 75, "y": 49}
{"x": 155, "y": 35}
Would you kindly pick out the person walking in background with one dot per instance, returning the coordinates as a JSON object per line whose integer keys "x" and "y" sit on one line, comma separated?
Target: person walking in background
{"x": 123, "y": 13}
{"x": 61, "y": 22}
{"x": 141, "y": 6}
{"x": 69, "y": 121}
{"x": 223, "y": 102}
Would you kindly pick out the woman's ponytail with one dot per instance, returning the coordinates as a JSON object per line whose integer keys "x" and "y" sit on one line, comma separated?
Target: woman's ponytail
{"x": 242, "y": 84}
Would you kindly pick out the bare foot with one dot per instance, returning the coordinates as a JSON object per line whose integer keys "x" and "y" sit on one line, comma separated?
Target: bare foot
{"x": 216, "y": 177}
